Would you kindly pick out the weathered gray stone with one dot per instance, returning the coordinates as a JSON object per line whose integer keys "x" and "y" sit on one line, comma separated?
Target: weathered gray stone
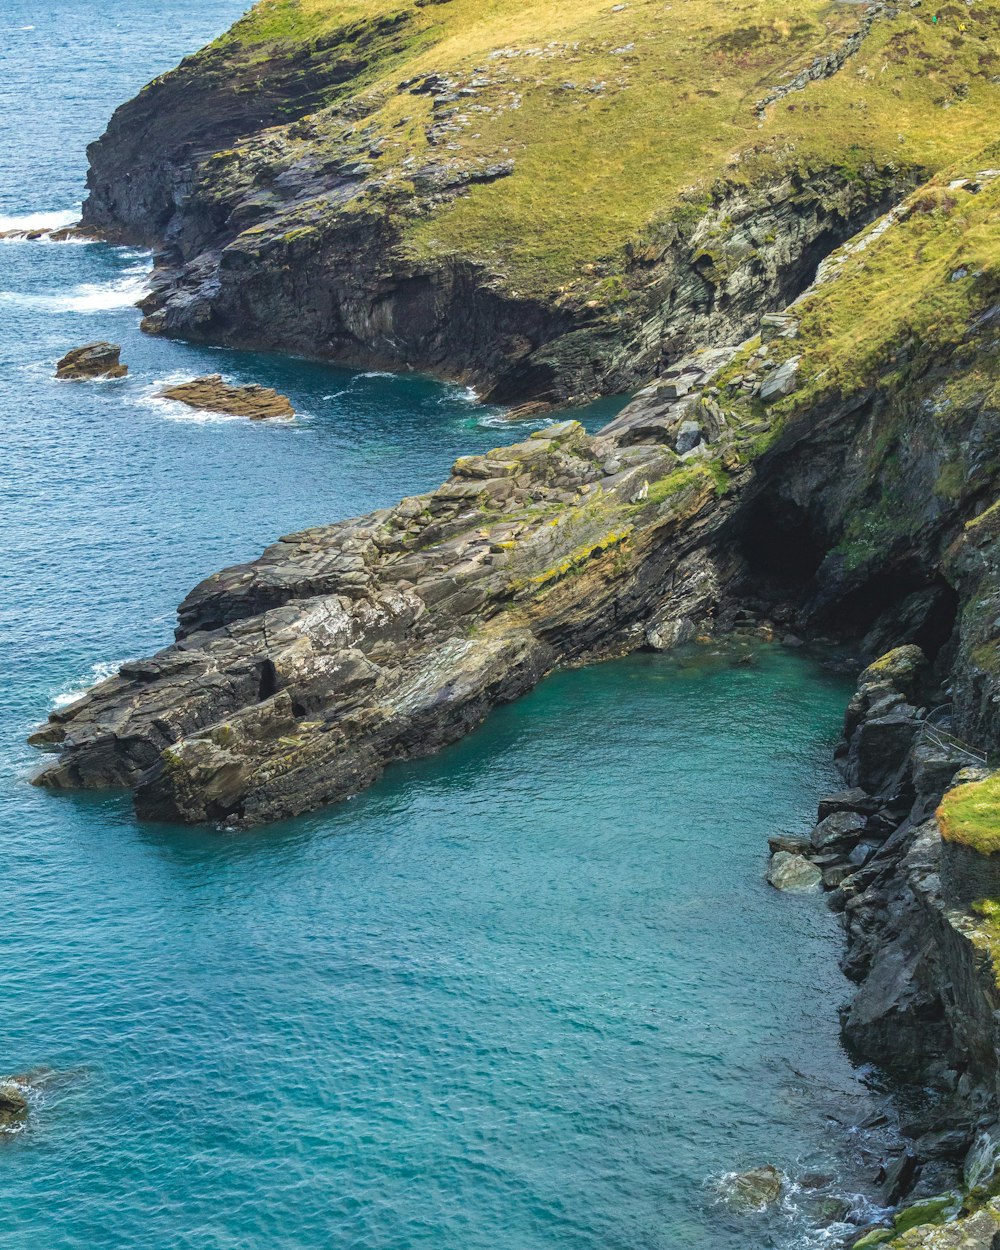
{"x": 793, "y": 872}
{"x": 781, "y": 381}
{"x": 840, "y": 828}
{"x": 688, "y": 437}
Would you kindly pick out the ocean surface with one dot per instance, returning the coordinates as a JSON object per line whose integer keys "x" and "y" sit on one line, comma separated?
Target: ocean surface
{"x": 533, "y": 993}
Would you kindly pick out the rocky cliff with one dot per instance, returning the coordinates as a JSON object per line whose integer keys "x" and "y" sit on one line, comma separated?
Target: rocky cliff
{"x": 545, "y": 200}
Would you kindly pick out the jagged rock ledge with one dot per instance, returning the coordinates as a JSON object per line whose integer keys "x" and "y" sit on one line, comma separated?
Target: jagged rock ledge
{"x": 92, "y": 360}
{"x": 295, "y": 679}
{"x": 212, "y": 394}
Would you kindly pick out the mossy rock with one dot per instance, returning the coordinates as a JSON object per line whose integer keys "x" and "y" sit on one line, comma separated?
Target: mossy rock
{"x": 13, "y": 1106}
{"x": 902, "y": 667}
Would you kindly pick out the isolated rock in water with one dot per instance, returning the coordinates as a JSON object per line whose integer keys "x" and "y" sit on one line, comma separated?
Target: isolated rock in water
{"x": 792, "y": 872}
{"x": 13, "y": 1106}
{"x": 754, "y": 1190}
{"x": 211, "y": 394}
{"x": 93, "y": 360}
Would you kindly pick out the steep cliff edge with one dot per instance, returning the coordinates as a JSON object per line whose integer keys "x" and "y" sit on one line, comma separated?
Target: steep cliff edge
{"x": 547, "y": 201}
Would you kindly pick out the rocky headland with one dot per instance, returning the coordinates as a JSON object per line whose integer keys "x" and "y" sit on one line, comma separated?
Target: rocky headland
{"x": 551, "y": 205}
{"x": 803, "y": 279}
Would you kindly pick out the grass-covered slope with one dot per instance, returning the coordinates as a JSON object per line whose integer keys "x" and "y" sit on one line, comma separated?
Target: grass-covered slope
{"x": 596, "y": 176}
{"x": 615, "y": 114}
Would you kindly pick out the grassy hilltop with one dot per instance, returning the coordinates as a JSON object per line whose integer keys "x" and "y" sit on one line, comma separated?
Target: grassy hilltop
{"x": 547, "y": 199}
{"x": 617, "y": 116}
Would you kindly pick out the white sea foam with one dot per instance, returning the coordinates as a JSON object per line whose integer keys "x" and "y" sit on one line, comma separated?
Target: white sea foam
{"x": 71, "y": 691}
{"x": 89, "y": 297}
{"x": 498, "y": 420}
{"x": 57, "y": 220}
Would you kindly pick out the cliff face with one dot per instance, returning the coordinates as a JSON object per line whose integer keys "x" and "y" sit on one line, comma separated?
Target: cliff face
{"x": 550, "y": 201}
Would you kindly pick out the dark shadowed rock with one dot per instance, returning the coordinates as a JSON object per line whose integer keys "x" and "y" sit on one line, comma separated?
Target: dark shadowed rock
{"x": 854, "y": 800}
{"x": 93, "y": 360}
{"x": 838, "y": 829}
{"x": 211, "y": 394}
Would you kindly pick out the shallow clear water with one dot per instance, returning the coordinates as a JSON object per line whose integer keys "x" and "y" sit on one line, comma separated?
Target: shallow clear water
{"x": 533, "y": 993}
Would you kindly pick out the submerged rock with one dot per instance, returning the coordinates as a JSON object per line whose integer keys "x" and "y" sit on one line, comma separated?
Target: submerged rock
{"x": 754, "y": 1190}
{"x": 211, "y": 394}
{"x": 13, "y": 1106}
{"x": 93, "y": 360}
{"x": 793, "y": 872}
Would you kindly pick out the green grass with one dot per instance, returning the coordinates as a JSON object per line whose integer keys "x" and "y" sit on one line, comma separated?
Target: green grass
{"x": 621, "y": 123}
{"x": 969, "y": 815}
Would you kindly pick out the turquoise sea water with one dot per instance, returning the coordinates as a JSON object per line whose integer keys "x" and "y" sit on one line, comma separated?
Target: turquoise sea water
{"x": 532, "y": 993}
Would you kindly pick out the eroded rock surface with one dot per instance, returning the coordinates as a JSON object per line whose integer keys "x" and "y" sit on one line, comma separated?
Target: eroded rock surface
{"x": 296, "y": 678}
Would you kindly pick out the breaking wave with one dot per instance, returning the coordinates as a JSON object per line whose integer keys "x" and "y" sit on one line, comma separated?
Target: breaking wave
{"x": 57, "y": 220}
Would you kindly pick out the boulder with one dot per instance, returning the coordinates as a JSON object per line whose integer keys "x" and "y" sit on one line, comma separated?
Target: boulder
{"x": 838, "y": 829}
{"x": 836, "y": 875}
{"x": 93, "y": 360}
{"x": 211, "y": 394}
{"x": 688, "y": 437}
{"x": 861, "y": 854}
{"x": 854, "y": 800}
{"x": 787, "y": 842}
{"x": 13, "y": 1106}
{"x": 899, "y": 1178}
{"x": 901, "y": 668}
{"x": 754, "y": 1190}
{"x": 792, "y": 872}
{"x": 781, "y": 382}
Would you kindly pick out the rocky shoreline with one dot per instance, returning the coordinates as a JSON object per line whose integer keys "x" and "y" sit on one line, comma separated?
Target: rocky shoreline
{"x": 815, "y": 444}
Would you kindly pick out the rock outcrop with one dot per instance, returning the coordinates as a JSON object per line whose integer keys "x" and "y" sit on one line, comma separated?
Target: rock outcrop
{"x": 93, "y": 360}
{"x": 212, "y": 394}
{"x": 295, "y": 679}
